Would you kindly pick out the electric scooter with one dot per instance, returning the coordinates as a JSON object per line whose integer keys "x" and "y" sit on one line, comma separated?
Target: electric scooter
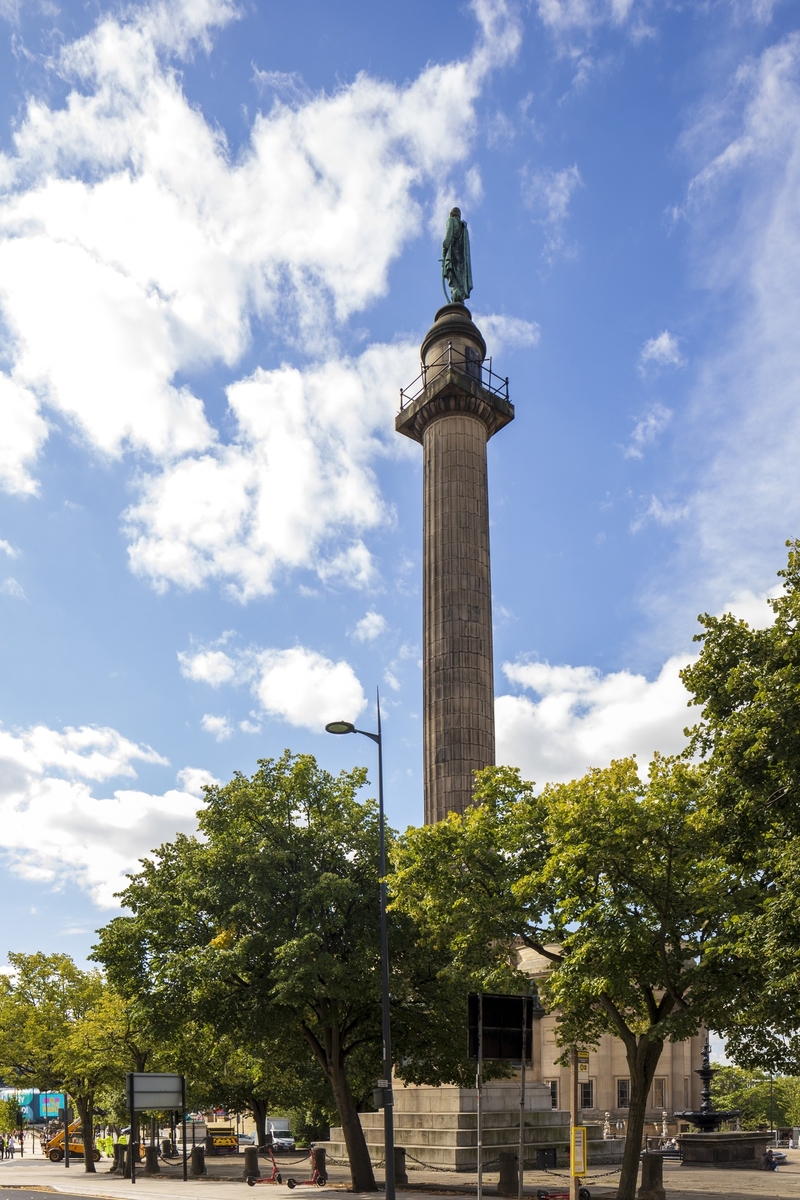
{"x": 275, "y": 1177}
{"x": 316, "y": 1179}
{"x": 561, "y": 1194}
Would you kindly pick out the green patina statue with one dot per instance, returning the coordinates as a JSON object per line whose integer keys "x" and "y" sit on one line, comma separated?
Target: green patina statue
{"x": 456, "y": 262}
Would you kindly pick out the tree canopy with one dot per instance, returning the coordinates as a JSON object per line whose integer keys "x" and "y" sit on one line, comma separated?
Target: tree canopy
{"x": 61, "y": 1028}
{"x": 747, "y": 682}
{"x": 619, "y": 885}
{"x": 266, "y": 928}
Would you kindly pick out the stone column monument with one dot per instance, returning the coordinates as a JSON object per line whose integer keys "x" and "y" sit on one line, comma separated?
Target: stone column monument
{"x": 453, "y": 409}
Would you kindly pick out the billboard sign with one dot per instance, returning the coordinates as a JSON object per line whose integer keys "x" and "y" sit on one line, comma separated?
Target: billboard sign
{"x": 502, "y": 1026}
{"x": 148, "y": 1090}
{"x": 35, "y": 1106}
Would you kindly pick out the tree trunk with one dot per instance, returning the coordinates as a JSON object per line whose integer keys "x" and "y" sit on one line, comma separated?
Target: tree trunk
{"x": 84, "y": 1105}
{"x": 363, "y": 1176}
{"x": 258, "y": 1110}
{"x": 643, "y": 1055}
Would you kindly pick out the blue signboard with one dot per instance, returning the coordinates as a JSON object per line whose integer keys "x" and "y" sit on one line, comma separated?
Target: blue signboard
{"x": 36, "y": 1106}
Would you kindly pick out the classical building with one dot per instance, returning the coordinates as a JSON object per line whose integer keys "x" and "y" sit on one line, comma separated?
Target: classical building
{"x": 607, "y": 1087}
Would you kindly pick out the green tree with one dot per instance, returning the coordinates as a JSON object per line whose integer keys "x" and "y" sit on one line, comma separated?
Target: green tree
{"x": 747, "y": 683}
{"x": 267, "y": 927}
{"x": 59, "y": 1030}
{"x": 10, "y": 1115}
{"x": 221, "y": 1072}
{"x": 757, "y": 1096}
{"x": 619, "y": 885}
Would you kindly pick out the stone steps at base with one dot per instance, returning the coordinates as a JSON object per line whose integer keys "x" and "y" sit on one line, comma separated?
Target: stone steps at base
{"x": 463, "y": 1139}
{"x": 469, "y": 1121}
{"x": 465, "y": 1158}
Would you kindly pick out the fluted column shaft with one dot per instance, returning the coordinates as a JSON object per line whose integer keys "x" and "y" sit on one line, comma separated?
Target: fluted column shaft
{"x": 457, "y": 617}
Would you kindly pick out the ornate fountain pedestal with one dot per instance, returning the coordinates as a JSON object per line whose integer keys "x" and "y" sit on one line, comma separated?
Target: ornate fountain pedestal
{"x": 735, "y": 1149}
{"x": 710, "y": 1148}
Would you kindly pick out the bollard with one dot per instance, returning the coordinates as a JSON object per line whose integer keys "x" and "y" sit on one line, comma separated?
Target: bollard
{"x": 166, "y": 1147}
{"x": 251, "y": 1167}
{"x": 400, "y": 1172}
{"x": 508, "y": 1184}
{"x": 319, "y": 1153}
{"x": 151, "y": 1166}
{"x": 118, "y": 1159}
{"x": 652, "y": 1186}
{"x": 127, "y": 1158}
{"x": 198, "y": 1162}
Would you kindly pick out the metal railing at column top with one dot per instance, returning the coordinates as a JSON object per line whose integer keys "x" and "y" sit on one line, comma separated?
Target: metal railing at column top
{"x": 467, "y": 363}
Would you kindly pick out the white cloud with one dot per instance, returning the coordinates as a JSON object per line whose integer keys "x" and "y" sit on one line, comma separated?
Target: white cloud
{"x": 194, "y": 779}
{"x": 55, "y": 830}
{"x": 307, "y": 689}
{"x": 219, "y": 727}
{"x": 23, "y": 433}
{"x": 583, "y": 718}
{"x": 661, "y": 351}
{"x": 249, "y": 727}
{"x": 503, "y": 332}
{"x": 548, "y": 194}
{"x": 753, "y": 607}
{"x": 208, "y": 666}
{"x": 391, "y": 680}
{"x": 567, "y": 16}
{"x": 371, "y": 626}
{"x": 160, "y": 248}
{"x": 8, "y": 549}
{"x": 10, "y": 587}
{"x": 353, "y": 566}
{"x": 740, "y": 435}
{"x": 647, "y": 430}
{"x": 298, "y": 685}
{"x": 662, "y": 514}
{"x": 88, "y": 752}
{"x": 297, "y": 478}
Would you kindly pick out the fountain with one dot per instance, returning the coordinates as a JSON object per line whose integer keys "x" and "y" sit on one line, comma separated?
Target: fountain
{"x": 711, "y": 1148}
{"x": 707, "y": 1119}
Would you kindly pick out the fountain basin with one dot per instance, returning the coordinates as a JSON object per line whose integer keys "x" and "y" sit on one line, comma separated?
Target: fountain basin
{"x": 740, "y": 1150}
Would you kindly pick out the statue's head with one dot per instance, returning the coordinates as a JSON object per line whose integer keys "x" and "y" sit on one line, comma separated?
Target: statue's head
{"x": 455, "y": 212}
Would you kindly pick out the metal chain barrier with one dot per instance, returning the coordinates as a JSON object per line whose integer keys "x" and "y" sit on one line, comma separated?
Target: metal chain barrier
{"x": 487, "y": 1166}
{"x": 493, "y": 1162}
{"x": 566, "y": 1175}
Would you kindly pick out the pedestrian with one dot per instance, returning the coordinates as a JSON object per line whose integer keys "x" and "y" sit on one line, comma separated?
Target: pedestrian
{"x": 11, "y": 1145}
{"x": 2, "y": 1146}
{"x": 791, "y": 1142}
{"x": 767, "y": 1161}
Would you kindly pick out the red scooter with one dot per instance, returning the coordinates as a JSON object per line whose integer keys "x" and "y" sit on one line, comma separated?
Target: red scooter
{"x": 316, "y": 1179}
{"x": 560, "y": 1194}
{"x": 275, "y": 1177}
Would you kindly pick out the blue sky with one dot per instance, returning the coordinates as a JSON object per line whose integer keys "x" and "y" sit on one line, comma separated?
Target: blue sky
{"x": 219, "y": 233}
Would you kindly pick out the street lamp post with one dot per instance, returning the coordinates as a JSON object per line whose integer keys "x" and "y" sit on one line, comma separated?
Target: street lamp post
{"x": 388, "y": 1105}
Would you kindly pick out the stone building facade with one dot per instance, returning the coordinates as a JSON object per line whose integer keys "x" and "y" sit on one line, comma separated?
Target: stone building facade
{"x": 607, "y": 1087}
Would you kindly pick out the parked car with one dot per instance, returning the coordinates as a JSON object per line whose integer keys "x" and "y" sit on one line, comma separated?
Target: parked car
{"x": 247, "y": 1139}
{"x": 283, "y": 1141}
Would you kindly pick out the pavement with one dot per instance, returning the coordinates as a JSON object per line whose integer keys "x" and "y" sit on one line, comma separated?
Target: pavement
{"x": 27, "y": 1178}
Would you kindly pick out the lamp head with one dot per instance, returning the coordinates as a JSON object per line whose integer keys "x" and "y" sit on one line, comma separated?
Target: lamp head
{"x": 340, "y": 727}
